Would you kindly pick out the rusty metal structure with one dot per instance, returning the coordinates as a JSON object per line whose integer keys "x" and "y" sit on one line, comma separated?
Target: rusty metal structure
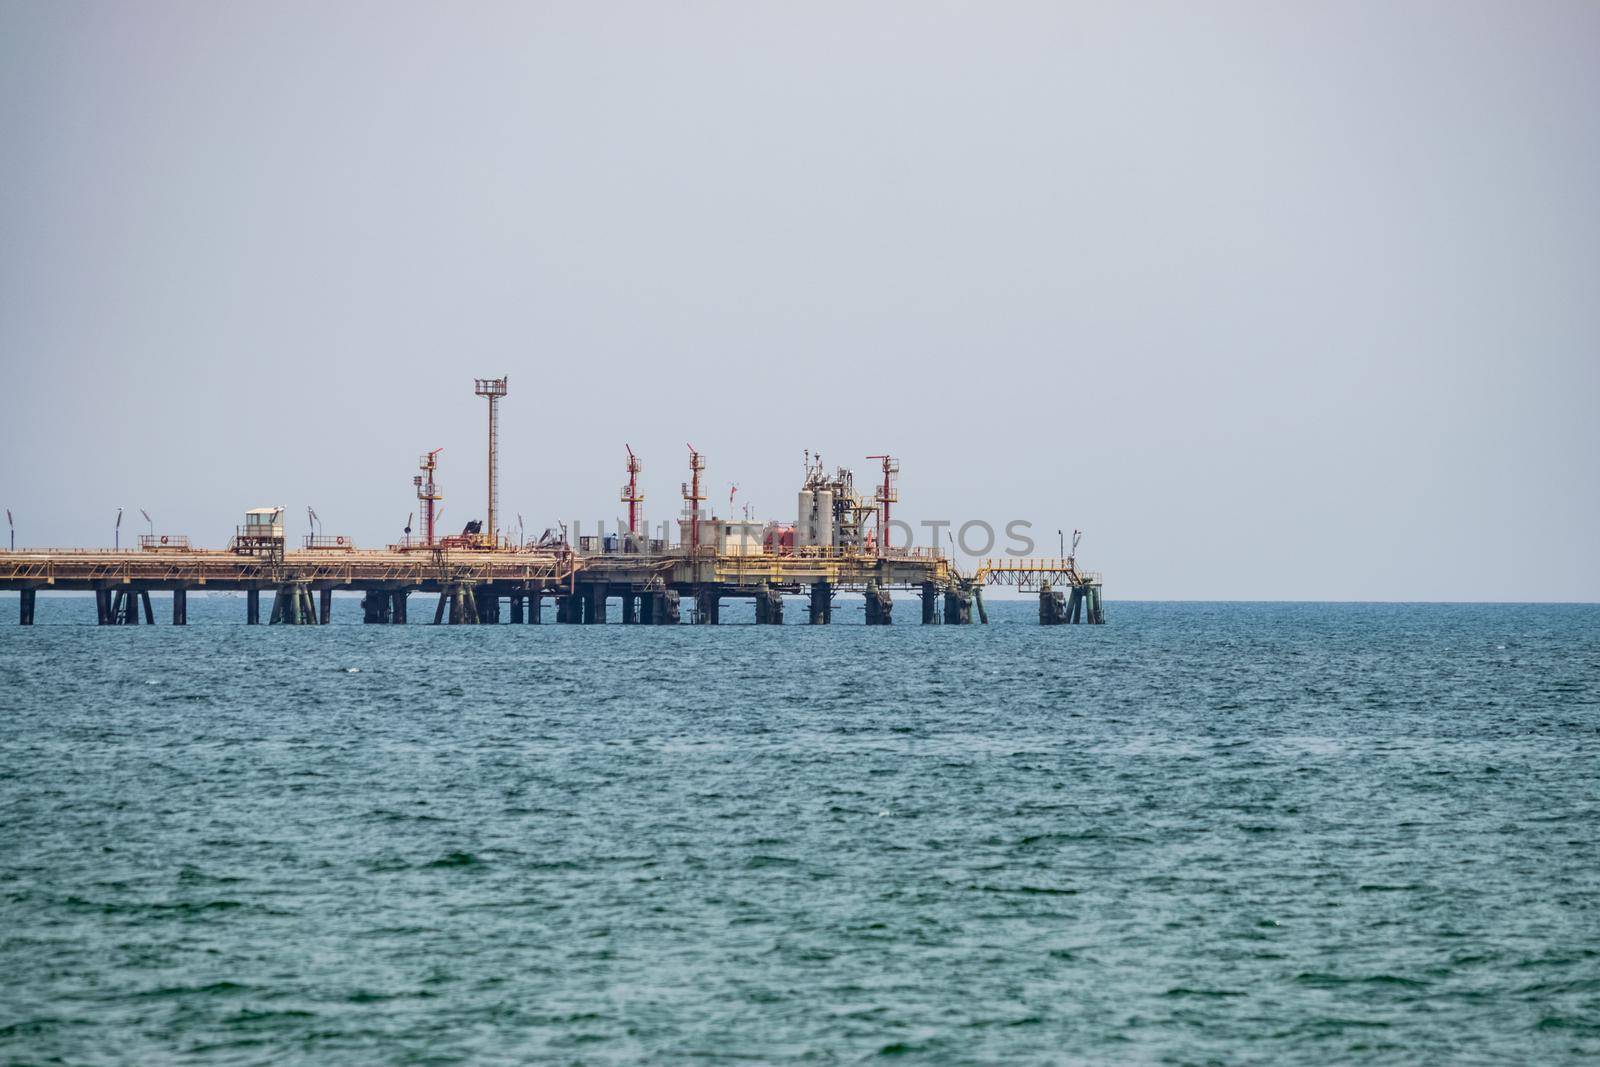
{"x": 692, "y": 499}
{"x": 886, "y": 494}
{"x": 429, "y": 492}
{"x": 631, "y": 495}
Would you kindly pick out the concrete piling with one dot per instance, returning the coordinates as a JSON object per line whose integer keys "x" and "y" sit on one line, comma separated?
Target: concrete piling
{"x": 957, "y": 606}
{"x": 102, "y": 606}
{"x": 397, "y": 607}
{"x": 880, "y": 605}
{"x": 930, "y": 604}
{"x": 1052, "y": 610}
{"x": 659, "y": 608}
{"x": 27, "y": 599}
{"x": 821, "y": 603}
{"x": 516, "y": 609}
{"x": 630, "y": 610}
{"x": 180, "y": 607}
{"x": 325, "y": 605}
{"x": 375, "y": 606}
{"x": 707, "y": 607}
{"x": 769, "y": 607}
{"x": 594, "y": 604}
{"x": 252, "y": 607}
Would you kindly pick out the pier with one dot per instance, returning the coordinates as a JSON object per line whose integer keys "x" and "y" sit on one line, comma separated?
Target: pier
{"x": 472, "y": 587}
{"x": 838, "y": 542}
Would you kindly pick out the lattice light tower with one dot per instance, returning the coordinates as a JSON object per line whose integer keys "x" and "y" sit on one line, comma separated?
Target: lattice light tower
{"x": 493, "y": 389}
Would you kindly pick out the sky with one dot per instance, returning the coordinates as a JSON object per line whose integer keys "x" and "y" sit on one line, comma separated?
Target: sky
{"x": 1272, "y": 301}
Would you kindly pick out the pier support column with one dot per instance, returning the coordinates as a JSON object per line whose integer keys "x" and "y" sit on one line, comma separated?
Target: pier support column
{"x": 977, "y": 602}
{"x": 957, "y": 606}
{"x": 1097, "y": 611}
{"x": 130, "y": 607}
{"x": 594, "y": 604}
{"x": 180, "y": 607}
{"x": 325, "y": 605}
{"x": 102, "y": 607}
{"x": 564, "y": 605}
{"x": 821, "y": 603}
{"x": 930, "y": 604}
{"x": 535, "y": 607}
{"x": 516, "y": 609}
{"x": 26, "y": 600}
{"x": 149, "y": 612}
{"x": 397, "y": 606}
{"x": 630, "y": 610}
{"x": 293, "y": 607}
{"x": 659, "y": 608}
{"x": 252, "y": 607}
{"x": 880, "y": 606}
{"x": 1052, "y": 611}
{"x": 375, "y": 606}
{"x": 486, "y": 598}
{"x": 769, "y": 607}
{"x": 1074, "y": 612}
{"x": 707, "y": 607}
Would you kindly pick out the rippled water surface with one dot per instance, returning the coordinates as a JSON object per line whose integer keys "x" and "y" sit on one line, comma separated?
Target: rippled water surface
{"x": 1233, "y": 833}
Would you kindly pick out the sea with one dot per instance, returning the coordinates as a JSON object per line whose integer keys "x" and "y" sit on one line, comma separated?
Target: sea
{"x": 1203, "y": 833}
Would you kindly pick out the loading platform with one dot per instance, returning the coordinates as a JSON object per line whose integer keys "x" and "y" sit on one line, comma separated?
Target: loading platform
{"x": 653, "y": 588}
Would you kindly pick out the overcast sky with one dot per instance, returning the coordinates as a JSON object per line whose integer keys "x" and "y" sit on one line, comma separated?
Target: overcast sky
{"x": 1273, "y": 300}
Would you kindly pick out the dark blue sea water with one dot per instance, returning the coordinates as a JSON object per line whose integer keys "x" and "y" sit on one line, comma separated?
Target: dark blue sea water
{"x": 1240, "y": 833}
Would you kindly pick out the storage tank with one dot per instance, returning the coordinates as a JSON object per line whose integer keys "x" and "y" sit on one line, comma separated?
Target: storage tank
{"x": 803, "y": 528}
{"x": 824, "y": 526}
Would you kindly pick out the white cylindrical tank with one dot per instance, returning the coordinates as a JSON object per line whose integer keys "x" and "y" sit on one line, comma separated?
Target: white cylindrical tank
{"x": 802, "y": 528}
{"x": 825, "y": 518}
